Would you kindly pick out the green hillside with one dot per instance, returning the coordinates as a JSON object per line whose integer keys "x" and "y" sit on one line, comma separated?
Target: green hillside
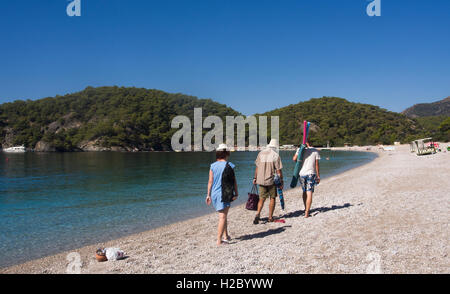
{"x": 126, "y": 119}
{"x": 436, "y": 126}
{"x": 106, "y": 118}
{"x": 434, "y": 117}
{"x": 339, "y": 121}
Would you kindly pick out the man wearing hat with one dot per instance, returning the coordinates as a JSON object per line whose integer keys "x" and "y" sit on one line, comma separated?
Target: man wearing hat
{"x": 267, "y": 163}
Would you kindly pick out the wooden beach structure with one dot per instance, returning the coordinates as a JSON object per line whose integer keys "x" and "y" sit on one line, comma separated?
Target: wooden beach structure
{"x": 421, "y": 148}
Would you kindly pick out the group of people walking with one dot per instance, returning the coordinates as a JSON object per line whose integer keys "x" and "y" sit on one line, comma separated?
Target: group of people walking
{"x": 268, "y": 167}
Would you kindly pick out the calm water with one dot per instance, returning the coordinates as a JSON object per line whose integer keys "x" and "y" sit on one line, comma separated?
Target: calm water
{"x": 50, "y": 202}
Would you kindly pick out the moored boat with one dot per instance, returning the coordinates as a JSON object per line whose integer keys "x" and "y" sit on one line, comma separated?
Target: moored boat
{"x": 15, "y": 149}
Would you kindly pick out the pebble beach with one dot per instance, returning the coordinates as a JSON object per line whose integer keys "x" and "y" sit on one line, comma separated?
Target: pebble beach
{"x": 390, "y": 216}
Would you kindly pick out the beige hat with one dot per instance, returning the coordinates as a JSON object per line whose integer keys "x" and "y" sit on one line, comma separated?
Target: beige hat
{"x": 273, "y": 143}
{"x": 222, "y": 147}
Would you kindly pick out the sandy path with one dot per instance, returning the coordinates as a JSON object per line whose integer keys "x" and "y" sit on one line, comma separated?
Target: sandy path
{"x": 390, "y": 216}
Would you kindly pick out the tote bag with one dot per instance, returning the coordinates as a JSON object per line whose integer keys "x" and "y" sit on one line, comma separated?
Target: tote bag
{"x": 253, "y": 199}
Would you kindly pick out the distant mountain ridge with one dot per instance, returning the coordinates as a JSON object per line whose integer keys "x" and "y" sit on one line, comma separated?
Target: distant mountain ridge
{"x": 439, "y": 108}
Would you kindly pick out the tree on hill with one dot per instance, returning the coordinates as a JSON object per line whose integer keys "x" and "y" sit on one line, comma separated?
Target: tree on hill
{"x": 444, "y": 130}
{"x": 432, "y": 125}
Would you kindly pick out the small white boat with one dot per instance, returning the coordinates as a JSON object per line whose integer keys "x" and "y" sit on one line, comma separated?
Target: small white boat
{"x": 15, "y": 149}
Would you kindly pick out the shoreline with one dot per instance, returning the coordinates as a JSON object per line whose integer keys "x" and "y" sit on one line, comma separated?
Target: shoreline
{"x": 180, "y": 246}
{"x": 194, "y": 216}
{"x": 335, "y": 148}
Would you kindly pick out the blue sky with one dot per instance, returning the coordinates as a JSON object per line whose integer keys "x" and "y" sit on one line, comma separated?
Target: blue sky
{"x": 253, "y": 55}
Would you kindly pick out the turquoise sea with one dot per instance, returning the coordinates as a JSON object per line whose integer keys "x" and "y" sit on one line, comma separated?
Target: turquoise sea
{"x": 51, "y": 202}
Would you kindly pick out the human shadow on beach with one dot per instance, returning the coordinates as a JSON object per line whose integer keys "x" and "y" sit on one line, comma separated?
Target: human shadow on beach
{"x": 316, "y": 211}
{"x": 263, "y": 234}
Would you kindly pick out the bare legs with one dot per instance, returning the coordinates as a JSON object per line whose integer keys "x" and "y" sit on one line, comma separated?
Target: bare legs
{"x": 271, "y": 208}
{"x": 261, "y": 205}
{"x": 307, "y": 201}
{"x": 222, "y": 228}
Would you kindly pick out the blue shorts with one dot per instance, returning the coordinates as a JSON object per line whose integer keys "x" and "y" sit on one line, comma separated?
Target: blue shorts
{"x": 308, "y": 182}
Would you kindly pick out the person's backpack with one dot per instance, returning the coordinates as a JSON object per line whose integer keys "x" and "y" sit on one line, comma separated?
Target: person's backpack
{"x": 228, "y": 181}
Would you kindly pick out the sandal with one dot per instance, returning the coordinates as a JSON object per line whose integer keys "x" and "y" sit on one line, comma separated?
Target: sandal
{"x": 256, "y": 220}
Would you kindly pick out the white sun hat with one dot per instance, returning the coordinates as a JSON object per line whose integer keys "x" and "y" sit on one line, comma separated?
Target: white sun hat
{"x": 273, "y": 143}
{"x": 222, "y": 147}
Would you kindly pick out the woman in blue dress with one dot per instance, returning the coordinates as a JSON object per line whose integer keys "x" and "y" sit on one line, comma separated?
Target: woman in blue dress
{"x": 214, "y": 195}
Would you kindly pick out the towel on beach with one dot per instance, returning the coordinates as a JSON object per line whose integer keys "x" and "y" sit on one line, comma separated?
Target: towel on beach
{"x": 114, "y": 253}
